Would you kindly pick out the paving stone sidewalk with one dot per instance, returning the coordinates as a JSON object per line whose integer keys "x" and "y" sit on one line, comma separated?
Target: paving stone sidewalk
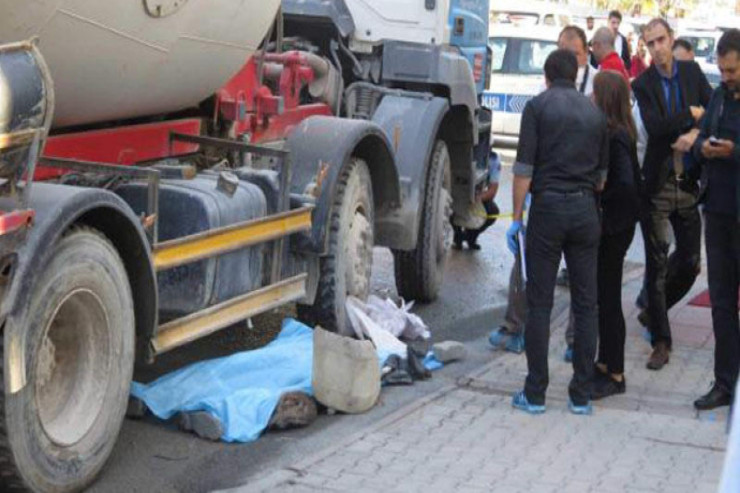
{"x": 467, "y": 437}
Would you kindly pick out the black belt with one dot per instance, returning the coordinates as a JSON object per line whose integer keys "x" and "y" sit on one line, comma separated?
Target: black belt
{"x": 566, "y": 194}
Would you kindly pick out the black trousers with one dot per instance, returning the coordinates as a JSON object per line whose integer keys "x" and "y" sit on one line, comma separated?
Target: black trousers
{"x": 666, "y": 288}
{"x": 561, "y": 224}
{"x": 612, "y": 330}
{"x": 723, "y": 265}
{"x": 471, "y": 235}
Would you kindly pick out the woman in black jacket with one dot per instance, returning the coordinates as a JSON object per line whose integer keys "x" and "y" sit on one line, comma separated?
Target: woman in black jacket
{"x": 620, "y": 203}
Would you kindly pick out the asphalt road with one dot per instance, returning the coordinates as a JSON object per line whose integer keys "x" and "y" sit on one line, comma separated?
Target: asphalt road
{"x": 153, "y": 456}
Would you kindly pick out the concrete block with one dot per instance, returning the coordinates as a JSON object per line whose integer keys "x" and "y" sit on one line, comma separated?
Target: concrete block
{"x": 449, "y": 351}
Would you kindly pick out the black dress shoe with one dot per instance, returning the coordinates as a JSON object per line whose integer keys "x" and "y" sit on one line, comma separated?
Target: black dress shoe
{"x": 604, "y": 386}
{"x": 717, "y": 397}
{"x": 659, "y": 357}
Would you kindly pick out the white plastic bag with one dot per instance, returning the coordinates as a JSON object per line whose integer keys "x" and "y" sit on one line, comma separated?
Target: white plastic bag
{"x": 386, "y": 314}
{"x": 385, "y": 342}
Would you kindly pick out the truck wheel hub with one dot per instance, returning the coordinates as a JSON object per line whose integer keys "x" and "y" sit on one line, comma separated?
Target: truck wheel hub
{"x": 359, "y": 252}
{"x": 444, "y": 242}
{"x": 72, "y": 368}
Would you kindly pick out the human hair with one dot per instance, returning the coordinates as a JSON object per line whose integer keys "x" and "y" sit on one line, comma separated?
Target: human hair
{"x": 603, "y": 35}
{"x": 730, "y": 41}
{"x": 615, "y": 14}
{"x": 574, "y": 32}
{"x": 612, "y": 96}
{"x": 590, "y": 18}
{"x": 659, "y": 21}
{"x": 683, "y": 43}
{"x": 561, "y": 64}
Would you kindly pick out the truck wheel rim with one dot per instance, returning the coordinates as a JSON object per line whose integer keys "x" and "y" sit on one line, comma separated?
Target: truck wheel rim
{"x": 359, "y": 252}
{"x": 71, "y": 367}
{"x": 444, "y": 243}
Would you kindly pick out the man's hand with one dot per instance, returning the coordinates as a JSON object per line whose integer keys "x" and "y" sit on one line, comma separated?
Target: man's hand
{"x": 721, "y": 149}
{"x": 696, "y": 112}
{"x": 686, "y": 141}
{"x": 511, "y": 236}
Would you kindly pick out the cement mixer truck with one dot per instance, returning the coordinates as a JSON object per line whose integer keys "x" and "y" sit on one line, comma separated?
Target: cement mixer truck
{"x": 171, "y": 167}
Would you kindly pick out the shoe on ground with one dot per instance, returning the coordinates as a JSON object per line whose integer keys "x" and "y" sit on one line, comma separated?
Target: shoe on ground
{"x": 519, "y": 401}
{"x": 474, "y": 246}
{"x": 716, "y": 397}
{"x": 201, "y": 423}
{"x": 580, "y": 410}
{"x": 568, "y": 355}
{"x": 515, "y": 344}
{"x": 605, "y": 385}
{"x": 499, "y": 337}
{"x": 659, "y": 357}
{"x": 457, "y": 240}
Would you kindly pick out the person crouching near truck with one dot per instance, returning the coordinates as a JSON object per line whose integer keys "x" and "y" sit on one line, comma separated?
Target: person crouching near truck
{"x": 620, "y": 210}
{"x": 484, "y": 209}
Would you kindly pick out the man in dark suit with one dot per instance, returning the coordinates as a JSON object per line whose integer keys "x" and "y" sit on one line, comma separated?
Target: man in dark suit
{"x": 671, "y": 96}
{"x": 621, "y": 45}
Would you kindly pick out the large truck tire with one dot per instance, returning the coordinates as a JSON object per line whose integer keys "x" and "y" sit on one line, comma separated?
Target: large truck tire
{"x": 419, "y": 272}
{"x": 57, "y": 432}
{"x": 346, "y": 269}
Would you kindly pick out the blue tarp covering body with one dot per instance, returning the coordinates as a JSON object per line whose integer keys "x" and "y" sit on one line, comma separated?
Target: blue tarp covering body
{"x": 241, "y": 390}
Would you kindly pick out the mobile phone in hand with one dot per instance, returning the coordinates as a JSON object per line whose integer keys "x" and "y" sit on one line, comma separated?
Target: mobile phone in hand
{"x": 714, "y": 141}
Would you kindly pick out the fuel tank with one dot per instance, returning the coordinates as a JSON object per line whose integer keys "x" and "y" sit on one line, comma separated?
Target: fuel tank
{"x": 120, "y": 59}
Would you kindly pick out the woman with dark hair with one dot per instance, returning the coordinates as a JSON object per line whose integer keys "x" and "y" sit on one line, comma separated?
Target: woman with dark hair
{"x": 620, "y": 203}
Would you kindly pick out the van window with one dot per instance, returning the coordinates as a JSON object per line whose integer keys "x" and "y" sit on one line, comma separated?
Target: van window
{"x": 703, "y": 45}
{"x": 498, "y": 46}
{"x": 532, "y": 56}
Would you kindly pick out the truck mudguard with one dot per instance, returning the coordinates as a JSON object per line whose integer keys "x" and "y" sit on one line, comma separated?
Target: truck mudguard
{"x": 432, "y": 65}
{"x": 58, "y": 207}
{"x": 319, "y": 147}
{"x": 412, "y": 124}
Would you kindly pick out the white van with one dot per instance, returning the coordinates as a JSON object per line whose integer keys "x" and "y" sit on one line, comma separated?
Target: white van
{"x": 519, "y": 56}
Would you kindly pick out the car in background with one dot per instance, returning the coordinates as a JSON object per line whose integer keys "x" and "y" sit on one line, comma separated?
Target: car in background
{"x": 533, "y": 13}
{"x": 704, "y": 42}
{"x": 711, "y": 71}
{"x": 517, "y": 76}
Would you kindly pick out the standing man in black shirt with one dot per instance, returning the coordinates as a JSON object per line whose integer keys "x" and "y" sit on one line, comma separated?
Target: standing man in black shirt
{"x": 671, "y": 96}
{"x": 562, "y": 158}
{"x": 717, "y": 147}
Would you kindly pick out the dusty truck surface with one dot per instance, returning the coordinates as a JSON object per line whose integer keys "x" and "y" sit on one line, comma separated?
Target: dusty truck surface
{"x": 169, "y": 168}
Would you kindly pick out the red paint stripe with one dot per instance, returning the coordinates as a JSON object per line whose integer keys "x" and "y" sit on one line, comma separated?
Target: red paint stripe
{"x": 121, "y": 145}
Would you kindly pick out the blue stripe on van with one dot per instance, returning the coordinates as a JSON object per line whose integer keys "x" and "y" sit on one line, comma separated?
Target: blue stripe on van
{"x": 506, "y": 103}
